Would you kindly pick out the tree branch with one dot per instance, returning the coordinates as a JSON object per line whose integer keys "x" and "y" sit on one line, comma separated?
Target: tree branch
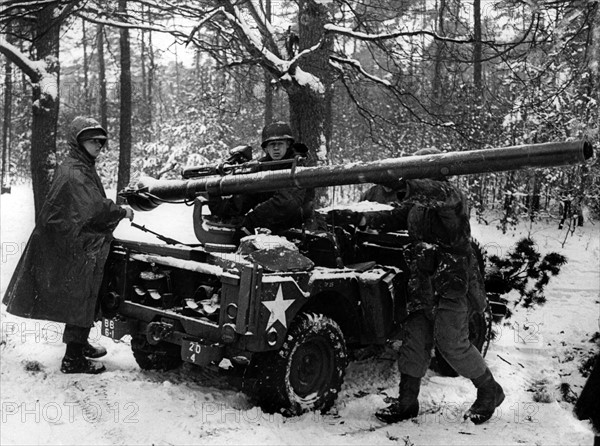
{"x": 264, "y": 27}
{"x": 356, "y": 64}
{"x": 334, "y": 29}
{"x": 30, "y": 68}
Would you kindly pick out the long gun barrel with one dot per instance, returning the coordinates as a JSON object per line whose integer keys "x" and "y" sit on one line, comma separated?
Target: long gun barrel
{"x": 150, "y": 192}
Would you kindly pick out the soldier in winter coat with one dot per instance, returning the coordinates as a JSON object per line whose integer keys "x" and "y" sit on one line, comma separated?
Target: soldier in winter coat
{"x": 59, "y": 275}
{"x": 445, "y": 285}
{"x": 276, "y": 211}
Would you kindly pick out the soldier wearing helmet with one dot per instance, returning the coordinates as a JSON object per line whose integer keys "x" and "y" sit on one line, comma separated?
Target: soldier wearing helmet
{"x": 276, "y": 211}
{"x": 59, "y": 275}
{"x": 277, "y": 140}
{"x": 445, "y": 286}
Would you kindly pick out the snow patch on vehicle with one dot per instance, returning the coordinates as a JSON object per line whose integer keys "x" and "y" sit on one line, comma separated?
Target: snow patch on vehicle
{"x": 265, "y": 242}
{"x": 361, "y": 206}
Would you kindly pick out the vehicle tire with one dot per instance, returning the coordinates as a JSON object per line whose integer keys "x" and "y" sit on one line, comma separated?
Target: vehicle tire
{"x": 478, "y": 324}
{"x": 305, "y": 374}
{"x": 163, "y": 356}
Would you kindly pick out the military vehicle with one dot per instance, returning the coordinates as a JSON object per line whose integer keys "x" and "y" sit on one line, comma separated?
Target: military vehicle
{"x": 286, "y": 311}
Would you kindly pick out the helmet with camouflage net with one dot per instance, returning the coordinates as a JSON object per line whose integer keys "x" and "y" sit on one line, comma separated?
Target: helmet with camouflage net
{"x": 276, "y": 131}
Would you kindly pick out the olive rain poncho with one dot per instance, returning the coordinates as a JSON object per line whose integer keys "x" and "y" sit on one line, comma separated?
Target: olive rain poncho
{"x": 60, "y": 272}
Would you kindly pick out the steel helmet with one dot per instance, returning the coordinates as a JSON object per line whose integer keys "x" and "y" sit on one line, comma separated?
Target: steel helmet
{"x": 276, "y": 131}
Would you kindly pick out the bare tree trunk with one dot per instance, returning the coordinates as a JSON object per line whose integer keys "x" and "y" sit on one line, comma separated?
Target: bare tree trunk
{"x": 438, "y": 62}
{"x": 102, "y": 106}
{"x": 310, "y": 108}
{"x": 268, "y": 88}
{"x": 86, "y": 94}
{"x": 509, "y": 203}
{"x": 125, "y": 118}
{"x": 477, "y": 49}
{"x": 45, "y": 107}
{"x": 6, "y": 128}
{"x": 177, "y": 78}
{"x": 144, "y": 110}
{"x": 534, "y": 197}
{"x": 151, "y": 71}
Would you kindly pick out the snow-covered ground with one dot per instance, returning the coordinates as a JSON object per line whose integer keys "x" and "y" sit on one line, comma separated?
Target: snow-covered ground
{"x": 533, "y": 355}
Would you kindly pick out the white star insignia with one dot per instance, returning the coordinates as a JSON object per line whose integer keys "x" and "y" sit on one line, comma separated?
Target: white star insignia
{"x": 277, "y": 308}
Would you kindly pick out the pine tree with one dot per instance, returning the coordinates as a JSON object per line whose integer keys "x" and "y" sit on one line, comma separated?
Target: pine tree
{"x": 523, "y": 269}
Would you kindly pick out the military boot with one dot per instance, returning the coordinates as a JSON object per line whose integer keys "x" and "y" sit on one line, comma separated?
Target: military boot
{"x": 93, "y": 351}
{"x": 74, "y": 361}
{"x": 489, "y": 396}
{"x": 407, "y": 404}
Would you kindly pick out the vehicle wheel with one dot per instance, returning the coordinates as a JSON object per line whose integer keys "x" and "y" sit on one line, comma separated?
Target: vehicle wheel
{"x": 306, "y": 373}
{"x": 163, "y": 356}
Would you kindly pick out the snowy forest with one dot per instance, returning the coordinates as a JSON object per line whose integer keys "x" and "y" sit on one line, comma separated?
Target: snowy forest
{"x": 178, "y": 83}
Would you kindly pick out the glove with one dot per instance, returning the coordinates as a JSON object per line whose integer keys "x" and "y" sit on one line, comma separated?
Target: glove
{"x": 240, "y": 154}
{"x": 128, "y": 212}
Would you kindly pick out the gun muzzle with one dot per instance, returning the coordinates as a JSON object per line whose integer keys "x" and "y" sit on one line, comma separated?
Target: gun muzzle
{"x": 139, "y": 196}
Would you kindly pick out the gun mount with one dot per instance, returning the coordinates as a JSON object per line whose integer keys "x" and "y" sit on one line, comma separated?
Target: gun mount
{"x": 149, "y": 193}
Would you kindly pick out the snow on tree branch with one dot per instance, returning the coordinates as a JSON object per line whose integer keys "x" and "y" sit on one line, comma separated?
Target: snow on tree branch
{"x": 117, "y": 24}
{"x": 264, "y": 25}
{"x": 356, "y": 64}
{"x": 334, "y": 29}
{"x": 18, "y": 58}
{"x": 254, "y": 41}
{"x": 41, "y": 73}
{"x": 305, "y": 79}
{"x": 201, "y": 23}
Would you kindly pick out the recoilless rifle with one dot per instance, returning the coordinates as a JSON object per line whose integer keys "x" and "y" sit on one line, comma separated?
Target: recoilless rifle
{"x": 287, "y": 315}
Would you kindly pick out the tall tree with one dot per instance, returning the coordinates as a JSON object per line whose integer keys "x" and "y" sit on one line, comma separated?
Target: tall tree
{"x": 45, "y": 103}
{"x": 6, "y": 128}
{"x": 86, "y": 69}
{"x": 310, "y": 103}
{"x": 126, "y": 106}
{"x": 268, "y": 86}
{"x": 102, "y": 105}
{"x": 477, "y": 48}
{"x": 145, "y": 112}
{"x": 438, "y": 61}
{"x": 44, "y": 28}
{"x": 150, "y": 87}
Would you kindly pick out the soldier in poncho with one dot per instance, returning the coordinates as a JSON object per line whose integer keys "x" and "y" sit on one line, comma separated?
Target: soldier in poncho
{"x": 59, "y": 275}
